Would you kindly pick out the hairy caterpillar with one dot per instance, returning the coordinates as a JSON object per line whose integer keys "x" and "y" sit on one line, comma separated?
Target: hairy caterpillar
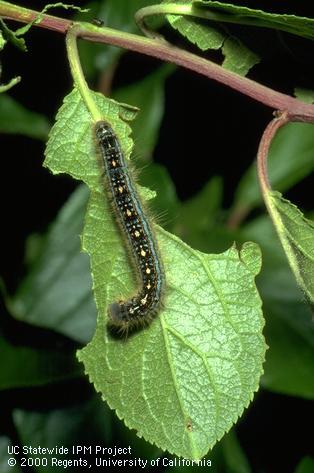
{"x": 139, "y": 309}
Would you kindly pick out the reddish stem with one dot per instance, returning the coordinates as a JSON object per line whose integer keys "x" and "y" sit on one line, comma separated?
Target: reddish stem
{"x": 264, "y": 146}
{"x": 280, "y": 120}
{"x": 167, "y": 52}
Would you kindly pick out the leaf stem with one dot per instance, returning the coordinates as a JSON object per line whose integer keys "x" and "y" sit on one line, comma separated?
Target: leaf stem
{"x": 281, "y": 118}
{"x": 77, "y": 73}
{"x": 167, "y": 52}
{"x": 172, "y": 54}
{"x": 10, "y": 84}
{"x": 241, "y": 210}
{"x": 263, "y": 150}
{"x": 162, "y": 9}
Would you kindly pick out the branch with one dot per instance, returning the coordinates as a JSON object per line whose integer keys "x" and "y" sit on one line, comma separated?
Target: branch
{"x": 279, "y": 121}
{"x": 166, "y": 52}
{"x": 271, "y": 130}
{"x": 241, "y": 210}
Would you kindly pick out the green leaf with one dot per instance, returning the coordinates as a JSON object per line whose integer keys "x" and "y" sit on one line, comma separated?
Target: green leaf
{"x": 2, "y": 43}
{"x": 14, "y": 118}
{"x": 33, "y": 248}
{"x": 14, "y": 80}
{"x": 15, "y": 36}
{"x": 84, "y": 424}
{"x": 200, "y": 210}
{"x": 199, "y": 219}
{"x": 206, "y": 344}
{"x": 165, "y": 206}
{"x": 24, "y": 29}
{"x": 225, "y": 12}
{"x": 306, "y": 95}
{"x": 238, "y": 58}
{"x": 12, "y": 36}
{"x": 25, "y": 366}
{"x": 74, "y": 153}
{"x": 57, "y": 291}
{"x": 290, "y": 358}
{"x": 88, "y": 424}
{"x": 202, "y": 376}
{"x": 296, "y": 234}
{"x": 9, "y": 85}
{"x": 126, "y": 437}
{"x": 200, "y": 34}
{"x": 119, "y": 14}
{"x": 289, "y": 328}
{"x": 290, "y": 159}
{"x": 226, "y": 457}
{"x": 5, "y": 467}
{"x": 306, "y": 465}
{"x": 235, "y": 460}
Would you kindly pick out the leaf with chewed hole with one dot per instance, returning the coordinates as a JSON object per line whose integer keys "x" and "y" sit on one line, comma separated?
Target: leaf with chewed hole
{"x": 209, "y": 35}
{"x": 186, "y": 378}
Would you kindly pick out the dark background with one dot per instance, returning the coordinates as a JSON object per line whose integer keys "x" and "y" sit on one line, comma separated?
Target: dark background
{"x": 272, "y": 430}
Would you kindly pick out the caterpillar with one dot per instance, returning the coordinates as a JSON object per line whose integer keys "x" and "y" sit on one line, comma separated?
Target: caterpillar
{"x": 136, "y": 230}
